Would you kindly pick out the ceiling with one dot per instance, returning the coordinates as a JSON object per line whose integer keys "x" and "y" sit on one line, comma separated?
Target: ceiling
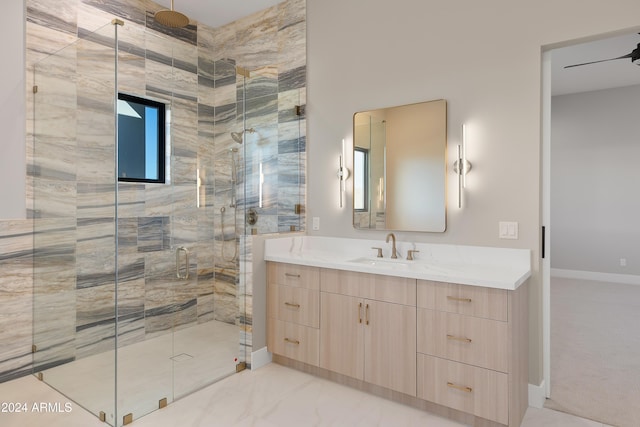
{"x": 215, "y": 13}
{"x": 604, "y": 75}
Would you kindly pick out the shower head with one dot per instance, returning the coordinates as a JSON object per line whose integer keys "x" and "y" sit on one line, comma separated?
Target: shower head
{"x": 171, "y": 18}
{"x": 237, "y": 136}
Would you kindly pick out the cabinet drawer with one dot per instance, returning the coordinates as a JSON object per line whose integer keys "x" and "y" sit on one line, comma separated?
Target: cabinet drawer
{"x": 294, "y": 341}
{"x": 398, "y": 290}
{"x": 296, "y": 305}
{"x": 471, "y": 340}
{"x": 475, "y": 301}
{"x": 470, "y": 389}
{"x": 293, "y": 275}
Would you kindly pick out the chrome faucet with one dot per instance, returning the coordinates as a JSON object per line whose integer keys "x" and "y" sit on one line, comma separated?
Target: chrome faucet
{"x": 394, "y": 254}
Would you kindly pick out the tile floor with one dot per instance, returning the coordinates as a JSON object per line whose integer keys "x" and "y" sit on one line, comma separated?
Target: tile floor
{"x": 270, "y": 396}
{"x": 168, "y": 366}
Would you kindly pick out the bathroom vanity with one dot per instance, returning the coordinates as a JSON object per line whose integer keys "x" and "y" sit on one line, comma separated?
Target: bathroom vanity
{"x": 445, "y": 332}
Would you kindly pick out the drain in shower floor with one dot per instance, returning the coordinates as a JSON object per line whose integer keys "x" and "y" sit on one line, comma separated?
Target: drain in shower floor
{"x": 181, "y": 357}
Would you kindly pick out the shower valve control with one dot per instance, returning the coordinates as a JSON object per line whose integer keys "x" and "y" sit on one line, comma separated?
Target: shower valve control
{"x": 252, "y": 217}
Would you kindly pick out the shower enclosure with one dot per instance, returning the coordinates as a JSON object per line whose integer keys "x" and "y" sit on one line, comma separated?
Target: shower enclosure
{"x": 138, "y": 297}
{"x": 143, "y": 291}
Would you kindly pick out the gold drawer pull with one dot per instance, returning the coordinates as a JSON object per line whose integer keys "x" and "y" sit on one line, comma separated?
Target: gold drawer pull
{"x": 456, "y": 299}
{"x": 297, "y": 276}
{"x": 289, "y": 340}
{"x": 455, "y": 338}
{"x": 366, "y": 314}
{"x": 291, "y": 304}
{"x": 460, "y": 387}
{"x": 360, "y": 313}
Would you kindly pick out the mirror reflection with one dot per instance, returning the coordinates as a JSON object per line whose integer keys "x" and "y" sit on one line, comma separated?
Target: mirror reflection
{"x": 399, "y": 167}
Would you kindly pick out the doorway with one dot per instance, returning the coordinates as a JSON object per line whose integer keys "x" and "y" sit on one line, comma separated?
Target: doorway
{"x": 589, "y": 292}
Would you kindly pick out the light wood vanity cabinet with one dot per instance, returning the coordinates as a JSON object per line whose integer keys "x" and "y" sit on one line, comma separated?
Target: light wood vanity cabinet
{"x": 293, "y": 311}
{"x": 457, "y": 346}
{"x": 368, "y": 328}
{"x": 472, "y": 349}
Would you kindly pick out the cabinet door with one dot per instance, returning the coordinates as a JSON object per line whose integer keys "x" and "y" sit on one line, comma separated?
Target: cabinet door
{"x": 390, "y": 346}
{"x": 341, "y": 334}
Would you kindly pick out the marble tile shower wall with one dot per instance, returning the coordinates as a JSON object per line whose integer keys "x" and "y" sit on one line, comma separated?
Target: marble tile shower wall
{"x": 66, "y": 307}
{"x": 16, "y": 298}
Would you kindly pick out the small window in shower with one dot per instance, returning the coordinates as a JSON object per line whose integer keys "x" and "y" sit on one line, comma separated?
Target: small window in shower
{"x": 141, "y": 139}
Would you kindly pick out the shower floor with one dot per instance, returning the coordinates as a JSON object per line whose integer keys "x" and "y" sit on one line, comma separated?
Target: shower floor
{"x": 169, "y": 366}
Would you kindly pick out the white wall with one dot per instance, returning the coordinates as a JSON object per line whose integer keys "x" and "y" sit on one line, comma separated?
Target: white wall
{"x": 595, "y": 197}
{"x": 12, "y": 113}
{"x": 484, "y": 58}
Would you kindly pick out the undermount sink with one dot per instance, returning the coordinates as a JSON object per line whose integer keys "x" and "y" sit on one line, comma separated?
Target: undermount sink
{"x": 379, "y": 262}
{"x": 401, "y": 264}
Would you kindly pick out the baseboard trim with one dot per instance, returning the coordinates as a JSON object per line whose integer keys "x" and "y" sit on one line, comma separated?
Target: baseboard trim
{"x": 260, "y": 358}
{"x": 537, "y": 395}
{"x": 628, "y": 279}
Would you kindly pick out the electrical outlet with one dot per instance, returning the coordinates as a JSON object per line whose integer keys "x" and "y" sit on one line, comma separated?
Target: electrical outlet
{"x": 316, "y": 223}
{"x": 623, "y": 262}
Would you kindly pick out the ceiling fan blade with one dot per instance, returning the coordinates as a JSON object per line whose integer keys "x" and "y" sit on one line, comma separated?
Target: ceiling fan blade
{"x": 602, "y": 60}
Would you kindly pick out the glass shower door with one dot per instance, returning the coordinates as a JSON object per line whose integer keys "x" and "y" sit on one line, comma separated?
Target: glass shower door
{"x": 205, "y": 333}
{"x": 156, "y": 252}
{"x": 73, "y": 174}
{"x": 172, "y": 341}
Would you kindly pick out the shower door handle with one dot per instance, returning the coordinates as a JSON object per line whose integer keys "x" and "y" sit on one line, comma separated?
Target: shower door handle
{"x": 180, "y": 275}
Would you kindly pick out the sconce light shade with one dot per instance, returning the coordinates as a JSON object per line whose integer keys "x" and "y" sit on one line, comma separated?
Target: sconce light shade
{"x": 462, "y": 166}
{"x": 343, "y": 172}
{"x": 466, "y": 167}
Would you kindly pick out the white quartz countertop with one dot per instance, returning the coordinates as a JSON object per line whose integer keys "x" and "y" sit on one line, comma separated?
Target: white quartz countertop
{"x": 501, "y": 268}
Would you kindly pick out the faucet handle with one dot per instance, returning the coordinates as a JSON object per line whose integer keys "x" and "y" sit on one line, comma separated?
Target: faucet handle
{"x": 410, "y": 253}
{"x": 379, "y": 255}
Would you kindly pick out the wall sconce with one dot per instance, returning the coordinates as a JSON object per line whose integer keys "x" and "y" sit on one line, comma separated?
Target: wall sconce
{"x": 462, "y": 166}
{"x": 343, "y": 174}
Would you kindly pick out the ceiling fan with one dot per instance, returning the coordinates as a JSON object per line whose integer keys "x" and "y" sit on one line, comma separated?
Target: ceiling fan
{"x": 634, "y": 56}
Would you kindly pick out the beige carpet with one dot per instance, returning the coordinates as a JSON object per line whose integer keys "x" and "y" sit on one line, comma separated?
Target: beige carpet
{"x": 595, "y": 350}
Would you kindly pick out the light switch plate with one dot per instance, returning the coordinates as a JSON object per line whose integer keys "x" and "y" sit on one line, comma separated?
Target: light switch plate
{"x": 316, "y": 223}
{"x": 508, "y": 230}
